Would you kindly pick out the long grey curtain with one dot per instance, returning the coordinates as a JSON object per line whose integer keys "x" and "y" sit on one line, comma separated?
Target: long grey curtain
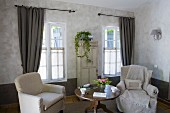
{"x": 30, "y": 29}
{"x": 127, "y": 37}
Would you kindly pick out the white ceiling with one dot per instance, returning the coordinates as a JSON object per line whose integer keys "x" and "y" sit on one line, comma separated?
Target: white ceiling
{"x": 113, "y": 4}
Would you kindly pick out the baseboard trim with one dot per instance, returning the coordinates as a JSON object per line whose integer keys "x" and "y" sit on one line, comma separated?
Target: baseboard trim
{"x": 164, "y": 101}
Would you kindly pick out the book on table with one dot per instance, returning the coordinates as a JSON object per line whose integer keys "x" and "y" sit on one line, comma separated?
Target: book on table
{"x": 99, "y": 94}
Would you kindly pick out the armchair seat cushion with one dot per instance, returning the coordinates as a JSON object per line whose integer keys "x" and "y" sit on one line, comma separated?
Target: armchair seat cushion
{"x": 138, "y": 97}
{"x": 50, "y": 99}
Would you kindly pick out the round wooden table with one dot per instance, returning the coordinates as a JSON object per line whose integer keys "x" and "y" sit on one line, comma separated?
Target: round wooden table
{"x": 95, "y": 101}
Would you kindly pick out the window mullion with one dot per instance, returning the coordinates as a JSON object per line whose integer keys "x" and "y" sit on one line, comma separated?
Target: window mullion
{"x": 49, "y": 73}
{"x": 57, "y": 64}
{"x": 110, "y": 62}
{"x": 115, "y": 35}
{"x": 63, "y": 43}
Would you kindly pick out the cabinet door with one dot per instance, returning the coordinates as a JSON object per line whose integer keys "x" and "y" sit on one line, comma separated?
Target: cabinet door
{"x": 93, "y": 75}
{"x": 92, "y": 56}
{"x": 84, "y": 76}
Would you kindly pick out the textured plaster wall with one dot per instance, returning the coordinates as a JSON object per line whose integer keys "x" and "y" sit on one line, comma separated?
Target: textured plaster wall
{"x": 10, "y": 63}
{"x": 84, "y": 19}
{"x": 148, "y": 51}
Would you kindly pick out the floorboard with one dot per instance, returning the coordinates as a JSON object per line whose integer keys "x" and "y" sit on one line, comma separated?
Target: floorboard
{"x": 70, "y": 99}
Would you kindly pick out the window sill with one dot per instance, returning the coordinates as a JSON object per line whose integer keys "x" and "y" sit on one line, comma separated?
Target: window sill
{"x": 53, "y": 81}
{"x": 104, "y": 76}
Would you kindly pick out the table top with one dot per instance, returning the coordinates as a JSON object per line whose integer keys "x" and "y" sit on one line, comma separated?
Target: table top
{"x": 91, "y": 90}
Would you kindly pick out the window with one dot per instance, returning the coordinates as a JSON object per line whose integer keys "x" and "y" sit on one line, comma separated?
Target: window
{"x": 111, "y": 51}
{"x": 52, "y": 64}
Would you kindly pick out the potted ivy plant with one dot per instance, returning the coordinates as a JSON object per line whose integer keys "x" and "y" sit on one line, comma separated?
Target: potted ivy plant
{"x": 84, "y": 37}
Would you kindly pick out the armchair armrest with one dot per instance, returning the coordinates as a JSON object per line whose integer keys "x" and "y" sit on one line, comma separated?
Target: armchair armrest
{"x": 30, "y": 103}
{"x": 121, "y": 86}
{"x": 54, "y": 88}
{"x": 152, "y": 91}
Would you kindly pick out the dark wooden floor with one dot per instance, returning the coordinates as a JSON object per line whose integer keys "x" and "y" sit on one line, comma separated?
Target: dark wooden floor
{"x": 70, "y": 99}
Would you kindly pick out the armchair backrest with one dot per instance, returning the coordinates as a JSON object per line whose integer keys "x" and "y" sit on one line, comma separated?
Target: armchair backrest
{"x": 124, "y": 72}
{"x": 147, "y": 76}
{"x": 29, "y": 83}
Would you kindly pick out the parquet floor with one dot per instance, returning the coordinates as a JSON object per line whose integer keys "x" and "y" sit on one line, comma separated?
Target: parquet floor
{"x": 69, "y": 99}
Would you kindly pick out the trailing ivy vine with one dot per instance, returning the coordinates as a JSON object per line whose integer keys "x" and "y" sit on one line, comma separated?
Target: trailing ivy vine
{"x": 83, "y": 36}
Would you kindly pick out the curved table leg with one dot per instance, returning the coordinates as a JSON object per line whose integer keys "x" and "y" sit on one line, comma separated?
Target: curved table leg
{"x": 104, "y": 108}
{"x": 96, "y": 105}
{"x": 93, "y": 106}
{"x": 90, "y": 107}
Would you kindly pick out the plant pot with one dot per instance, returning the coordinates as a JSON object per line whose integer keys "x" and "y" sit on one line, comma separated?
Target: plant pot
{"x": 102, "y": 87}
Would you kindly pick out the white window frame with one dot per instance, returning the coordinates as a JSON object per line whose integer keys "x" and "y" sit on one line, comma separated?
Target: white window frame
{"x": 103, "y": 46}
{"x": 48, "y": 55}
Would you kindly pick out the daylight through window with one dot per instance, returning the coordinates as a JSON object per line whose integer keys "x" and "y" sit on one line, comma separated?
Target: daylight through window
{"x": 52, "y": 57}
{"x": 111, "y": 49}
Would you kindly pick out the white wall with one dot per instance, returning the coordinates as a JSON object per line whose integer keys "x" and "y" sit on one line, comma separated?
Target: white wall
{"x": 148, "y": 51}
{"x": 84, "y": 19}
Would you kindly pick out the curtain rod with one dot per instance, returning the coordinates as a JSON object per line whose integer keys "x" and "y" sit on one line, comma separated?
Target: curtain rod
{"x": 100, "y": 14}
{"x": 70, "y": 11}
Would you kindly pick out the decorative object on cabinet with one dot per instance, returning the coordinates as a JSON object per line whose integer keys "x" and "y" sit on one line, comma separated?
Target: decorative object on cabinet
{"x": 87, "y": 71}
{"x": 85, "y": 37}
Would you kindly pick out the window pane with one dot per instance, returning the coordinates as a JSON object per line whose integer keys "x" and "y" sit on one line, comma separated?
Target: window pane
{"x": 112, "y": 56}
{"x": 43, "y": 58}
{"x": 114, "y": 44}
{"x": 56, "y": 31}
{"x": 106, "y": 68}
{"x": 54, "y": 57}
{"x": 44, "y": 40}
{"x": 109, "y": 44}
{"x": 112, "y": 69}
{"x": 118, "y": 68}
{"x": 57, "y": 57}
{"x": 60, "y": 57}
{"x": 56, "y": 43}
{"x": 110, "y": 35}
{"x": 42, "y": 69}
{"x": 118, "y": 34}
{"x": 107, "y": 56}
{"x": 44, "y": 43}
{"x": 57, "y": 72}
{"x": 118, "y": 56}
{"x": 57, "y": 64}
{"x": 56, "y": 37}
{"x": 118, "y": 44}
{"x": 54, "y": 72}
{"x": 60, "y": 71}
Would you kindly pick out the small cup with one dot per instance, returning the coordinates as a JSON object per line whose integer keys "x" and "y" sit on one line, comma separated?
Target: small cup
{"x": 83, "y": 90}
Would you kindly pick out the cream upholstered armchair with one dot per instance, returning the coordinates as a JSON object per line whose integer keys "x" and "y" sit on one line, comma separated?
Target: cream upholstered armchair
{"x": 137, "y": 95}
{"x": 36, "y": 97}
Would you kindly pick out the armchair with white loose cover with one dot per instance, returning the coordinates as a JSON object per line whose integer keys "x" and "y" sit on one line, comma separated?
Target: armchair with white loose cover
{"x": 36, "y": 97}
{"x": 139, "y": 100}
